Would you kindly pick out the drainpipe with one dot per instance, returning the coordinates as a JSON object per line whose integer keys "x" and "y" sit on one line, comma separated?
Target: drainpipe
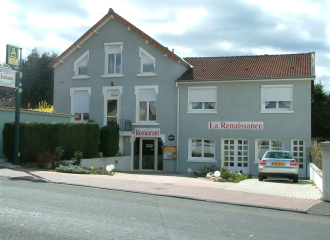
{"x": 177, "y": 130}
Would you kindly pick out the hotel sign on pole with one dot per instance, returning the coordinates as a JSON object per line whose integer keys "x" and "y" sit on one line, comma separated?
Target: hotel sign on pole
{"x": 7, "y": 78}
{"x": 12, "y": 55}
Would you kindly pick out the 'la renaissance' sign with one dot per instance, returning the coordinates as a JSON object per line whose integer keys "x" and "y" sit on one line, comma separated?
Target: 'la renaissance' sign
{"x": 7, "y": 78}
{"x": 236, "y": 125}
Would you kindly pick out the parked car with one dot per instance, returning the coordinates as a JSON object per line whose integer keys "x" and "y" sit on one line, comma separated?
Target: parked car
{"x": 278, "y": 164}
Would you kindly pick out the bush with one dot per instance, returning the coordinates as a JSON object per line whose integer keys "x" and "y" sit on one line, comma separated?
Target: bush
{"x": 36, "y": 138}
{"x": 77, "y": 158}
{"x": 206, "y": 168}
{"x": 109, "y": 140}
{"x": 72, "y": 169}
{"x": 315, "y": 153}
{"x": 224, "y": 173}
{"x": 44, "y": 159}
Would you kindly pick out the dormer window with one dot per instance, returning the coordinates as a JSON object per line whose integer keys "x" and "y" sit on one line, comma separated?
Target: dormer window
{"x": 113, "y": 59}
{"x": 81, "y": 66}
{"x": 147, "y": 64}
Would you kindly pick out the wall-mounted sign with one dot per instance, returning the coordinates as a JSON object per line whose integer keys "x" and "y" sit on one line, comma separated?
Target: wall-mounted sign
{"x": 169, "y": 153}
{"x": 236, "y": 125}
{"x": 147, "y": 132}
{"x": 12, "y": 55}
{"x": 7, "y": 77}
{"x": 171, "y": 137}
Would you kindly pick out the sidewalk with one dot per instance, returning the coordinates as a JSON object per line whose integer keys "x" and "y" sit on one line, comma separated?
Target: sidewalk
{"x": 272, "y": 194}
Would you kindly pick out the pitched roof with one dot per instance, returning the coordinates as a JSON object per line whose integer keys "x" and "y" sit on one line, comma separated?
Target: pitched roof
{"x": 247, "y": 67}
{"x": 111, "y": 14}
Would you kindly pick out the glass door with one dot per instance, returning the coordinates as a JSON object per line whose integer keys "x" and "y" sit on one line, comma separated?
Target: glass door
{"x": 112, "y": 112}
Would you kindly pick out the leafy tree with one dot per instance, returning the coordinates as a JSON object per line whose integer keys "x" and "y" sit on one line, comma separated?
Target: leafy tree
{"x": 38, "y": 79}
{"x": 320, "y": 113}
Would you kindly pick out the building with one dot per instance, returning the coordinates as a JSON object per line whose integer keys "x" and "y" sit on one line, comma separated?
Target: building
{"x": 178, "y": 113}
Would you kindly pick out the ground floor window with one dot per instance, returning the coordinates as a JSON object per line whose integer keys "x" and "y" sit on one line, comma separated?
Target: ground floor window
{"x": 266, "y": 145}
{"x": 236, "y": 154}
{"x": 201, "y": 149}
{"x": 81, "y": 116}
{"x": 298, "y": 150}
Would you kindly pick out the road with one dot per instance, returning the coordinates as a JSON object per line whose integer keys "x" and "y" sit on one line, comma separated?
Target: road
{"x": 40, "y": 210}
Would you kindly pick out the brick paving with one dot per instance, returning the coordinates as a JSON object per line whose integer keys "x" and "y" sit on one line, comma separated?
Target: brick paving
{"x": 268, "y": 194}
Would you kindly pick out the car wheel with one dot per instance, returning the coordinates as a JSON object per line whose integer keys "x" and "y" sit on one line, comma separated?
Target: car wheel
{"x": 261, "y": 178}
{"x": 295, "y": 179}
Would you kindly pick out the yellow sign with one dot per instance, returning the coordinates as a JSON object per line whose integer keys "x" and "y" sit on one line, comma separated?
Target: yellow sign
{"x": 12, "y": 56}
{"x": 169, "y": 153}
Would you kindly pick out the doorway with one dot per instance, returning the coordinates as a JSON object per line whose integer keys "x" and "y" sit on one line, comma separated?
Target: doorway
{"x": 148, "y": 154}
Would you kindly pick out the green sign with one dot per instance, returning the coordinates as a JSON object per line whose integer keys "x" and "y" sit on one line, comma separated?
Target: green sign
{"x": 12, "y": 55}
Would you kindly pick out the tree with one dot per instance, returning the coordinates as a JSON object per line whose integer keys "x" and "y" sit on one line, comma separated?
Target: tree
{"x": 320, "y": 113}
{"x": 38, "y": 79}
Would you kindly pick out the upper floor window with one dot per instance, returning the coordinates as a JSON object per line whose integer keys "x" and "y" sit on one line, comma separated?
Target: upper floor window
{"x": 113, "y": 59}
{"x": 81, "y": 66}
{"x": 277, "y": 98}
{"x": 146, "y": 104}
{"x": 147, "y": 63}
{"x": 80, "y": 103}
{"x": 202, "y": 99}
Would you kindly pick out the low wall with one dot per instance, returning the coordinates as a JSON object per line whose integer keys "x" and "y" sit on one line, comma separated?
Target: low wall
{"x": 326, "y": 170}
{"x": 121, "y": 163}
{"x": 315, "y": 174}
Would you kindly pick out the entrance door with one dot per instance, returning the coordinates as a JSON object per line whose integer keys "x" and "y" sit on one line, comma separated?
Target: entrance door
{"x": 148, "y": 154}
{"x": 112, "y": 112}
{"x": 236, "y": 154}
{"x": 298, "y": 150}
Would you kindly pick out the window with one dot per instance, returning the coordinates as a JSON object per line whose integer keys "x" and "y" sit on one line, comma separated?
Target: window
{"x": 147, "y": 63}
{"x": 276, "y": 98}
{"x": 201, "y": 150}
{"x": 146, "y": 108}
{"x": 265, "y": 145}
{"x": 81, "y": 66}
{"x": 80, "y": 103}
{"x": 113, "y": 59}
{"x": 202, "y": 99}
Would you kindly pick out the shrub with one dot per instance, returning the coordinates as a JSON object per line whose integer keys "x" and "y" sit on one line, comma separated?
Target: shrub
{"x": 77, "y": 158}
{"x": 57, "y": 157}
{"x": 44, "y": 159}
{"x": 72, "y": 169}
{"x": 109, "y": 140}
{"x": 224, "y": 173}
{"x": 206, "y": 168}
{"x": 315, "y": 153}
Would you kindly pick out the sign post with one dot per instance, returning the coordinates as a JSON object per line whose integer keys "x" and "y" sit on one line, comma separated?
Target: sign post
{"x": 13, "y": 58}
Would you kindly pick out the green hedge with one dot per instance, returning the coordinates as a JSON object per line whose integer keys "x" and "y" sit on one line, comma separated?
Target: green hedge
{"x": 40, "y": 137}
{"x": 109, "y": 140}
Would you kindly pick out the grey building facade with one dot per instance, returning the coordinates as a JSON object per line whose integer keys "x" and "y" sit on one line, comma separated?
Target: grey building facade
{"x": 175, "y": 113}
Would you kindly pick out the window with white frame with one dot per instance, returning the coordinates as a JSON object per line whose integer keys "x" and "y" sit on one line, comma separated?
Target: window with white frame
{"x": 147, "y": 63}
{"x": 112, "y": 104}
{"x": 146, "y": 104}
{"x": 202, "y": 99}
{"x": 277, "y": 98}
{"x": 201, "y": 149}
{"x": 113, "y": 59}
{"x": 265, "y": 145}
{"x": 80, "y": 98}
{"x": 81, "y": 66}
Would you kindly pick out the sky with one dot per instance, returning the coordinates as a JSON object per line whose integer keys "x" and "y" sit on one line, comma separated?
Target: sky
{"x": 208, "y": 28}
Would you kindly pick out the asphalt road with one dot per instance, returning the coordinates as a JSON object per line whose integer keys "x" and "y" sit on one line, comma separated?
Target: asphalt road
{"x": 39, "y": 210}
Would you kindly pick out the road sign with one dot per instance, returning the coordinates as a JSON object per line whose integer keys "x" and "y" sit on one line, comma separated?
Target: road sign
{"x": 12, "y": 55}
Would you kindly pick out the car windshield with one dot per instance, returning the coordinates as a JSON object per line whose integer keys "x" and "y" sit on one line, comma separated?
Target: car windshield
{"x": 279, "y": 155}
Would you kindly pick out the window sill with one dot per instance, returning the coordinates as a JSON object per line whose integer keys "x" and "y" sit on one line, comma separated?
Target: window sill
{"x": 80, "y": 77}
{"x": 270, "y": 111}
{"x": 146, "y": 75}
{"x": 145, "y": 123}
{"x": 112, "y": 76}
{"x": 202, "y": 160}
{"x": 201, "y": 111}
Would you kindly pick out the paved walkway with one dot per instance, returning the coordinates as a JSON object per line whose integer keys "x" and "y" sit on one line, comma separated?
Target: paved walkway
{"x": 272, "y": 194}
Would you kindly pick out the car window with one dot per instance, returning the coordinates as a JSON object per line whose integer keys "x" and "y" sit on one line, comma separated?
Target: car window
{"x": 282, "y": 155}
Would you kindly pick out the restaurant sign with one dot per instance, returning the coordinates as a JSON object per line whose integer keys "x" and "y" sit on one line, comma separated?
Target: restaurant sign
{"x": 7, "y": 77}
{"x": 147, "y": 132}
{"x": 236, "y": 125}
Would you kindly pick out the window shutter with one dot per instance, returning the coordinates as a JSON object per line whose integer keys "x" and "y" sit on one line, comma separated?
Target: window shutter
{"x": 203, "y": 95}
{"x": 276, "y": 94}
{"x": 147, "y": 95}
{"x": 81, "y": 102}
